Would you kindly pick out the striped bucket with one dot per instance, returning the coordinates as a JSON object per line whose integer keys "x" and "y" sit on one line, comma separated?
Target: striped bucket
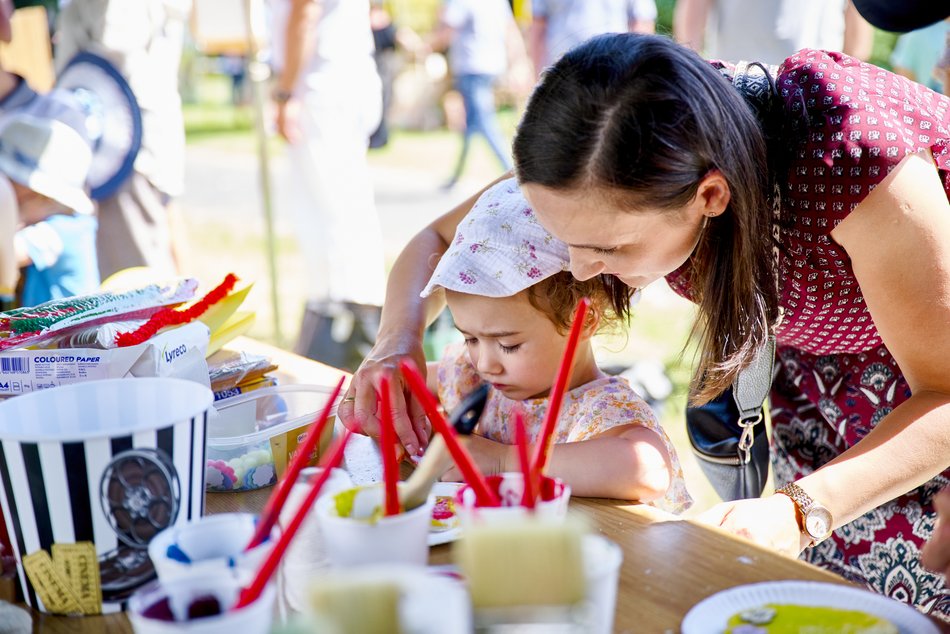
{"x": 89, "y": 473}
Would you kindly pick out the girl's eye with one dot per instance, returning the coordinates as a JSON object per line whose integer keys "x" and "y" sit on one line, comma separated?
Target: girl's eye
{"x": 470, "y": 341}
{"x": 509, "y": 349}
{"x": 604, "y": 251}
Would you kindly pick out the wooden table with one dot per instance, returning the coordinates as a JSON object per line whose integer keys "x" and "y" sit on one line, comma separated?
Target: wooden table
{"x": 669, "y": 564}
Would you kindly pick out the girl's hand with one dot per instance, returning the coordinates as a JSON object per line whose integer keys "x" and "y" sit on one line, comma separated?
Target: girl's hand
{"x": 936, "y": 553}
{"x": 491, "y": 457}
{"x": 358, "y": 409}
{"x": 769, "y": 522}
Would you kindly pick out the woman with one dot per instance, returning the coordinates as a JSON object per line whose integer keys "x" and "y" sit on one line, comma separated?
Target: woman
{"x": 649, "y": 164}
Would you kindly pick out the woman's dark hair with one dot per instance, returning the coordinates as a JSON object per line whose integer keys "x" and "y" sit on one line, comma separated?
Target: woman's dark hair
{"x": 644, "y": 120}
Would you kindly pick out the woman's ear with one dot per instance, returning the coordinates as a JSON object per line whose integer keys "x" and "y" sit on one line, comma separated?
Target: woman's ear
{"x": 712, "y": 195}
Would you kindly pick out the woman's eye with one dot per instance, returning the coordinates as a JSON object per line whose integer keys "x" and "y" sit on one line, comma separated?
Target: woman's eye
{"x": 509, "y": 349}
{"x": 470, "y": 341}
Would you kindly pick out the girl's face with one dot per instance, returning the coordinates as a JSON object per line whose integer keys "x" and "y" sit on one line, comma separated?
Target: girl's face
{"x": 512, "y": 345}
{"x": 636, "y": 247}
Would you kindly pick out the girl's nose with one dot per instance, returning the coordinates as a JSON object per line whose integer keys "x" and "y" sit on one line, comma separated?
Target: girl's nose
{"x": 488, "y": 362}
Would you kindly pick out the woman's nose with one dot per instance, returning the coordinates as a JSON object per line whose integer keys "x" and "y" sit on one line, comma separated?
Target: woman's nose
{"x": 584, "y": 268}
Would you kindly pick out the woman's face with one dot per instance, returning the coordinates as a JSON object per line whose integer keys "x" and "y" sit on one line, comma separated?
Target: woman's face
{"x": 637, "y": 247}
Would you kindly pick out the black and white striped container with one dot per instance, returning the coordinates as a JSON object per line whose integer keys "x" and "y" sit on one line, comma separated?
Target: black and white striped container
{"x": 111, "y": 462}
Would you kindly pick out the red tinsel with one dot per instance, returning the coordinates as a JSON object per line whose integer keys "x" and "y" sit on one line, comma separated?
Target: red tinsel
{"x": 172, "y": 317}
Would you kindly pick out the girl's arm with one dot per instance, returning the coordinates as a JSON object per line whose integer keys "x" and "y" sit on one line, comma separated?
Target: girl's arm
{"x": 629, "y": 462}
{"x": 405, "y": 316}
{"x": 898, "y": 239}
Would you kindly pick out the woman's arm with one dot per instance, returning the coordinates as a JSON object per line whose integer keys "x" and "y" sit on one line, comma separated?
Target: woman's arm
{"x": 405, "y": 316}
{"x": 898, "y": 239}
{"x": 628, "y": 462}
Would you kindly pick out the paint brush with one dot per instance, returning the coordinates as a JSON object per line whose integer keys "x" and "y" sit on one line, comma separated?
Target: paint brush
{"x": 387, "y": 447}
{"x": 252, "y": 592}
{"x": 521, "y": 441}
{"x": 466, "y": 464}
{"x": 562, "y": 380}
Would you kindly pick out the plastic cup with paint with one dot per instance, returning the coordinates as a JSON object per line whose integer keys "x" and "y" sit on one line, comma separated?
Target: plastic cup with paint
{"x": 199, "y": 604}
{"x": 355, "y": 531}
{"x": 509, "y": 487}
{"x": 214, "y": 543}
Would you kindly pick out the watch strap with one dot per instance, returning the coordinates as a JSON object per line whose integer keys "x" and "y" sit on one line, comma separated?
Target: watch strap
{"x": 803, "y": 502}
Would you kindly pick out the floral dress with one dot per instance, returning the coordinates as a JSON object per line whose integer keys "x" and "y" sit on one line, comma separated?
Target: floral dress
{"x": 836, "y": 378}
{"x": 586, "y": 411}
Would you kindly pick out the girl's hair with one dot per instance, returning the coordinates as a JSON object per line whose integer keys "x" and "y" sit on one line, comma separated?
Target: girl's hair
{"x": 556, "y": 298}
{"x": 644, "y": 120}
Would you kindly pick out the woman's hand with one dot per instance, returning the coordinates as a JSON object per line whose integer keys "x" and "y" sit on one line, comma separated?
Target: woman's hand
{"x": 358, "y": 410}
{"x": 769, "y": 522}
{"x": 491, "y": 457}
{"x": 936, "y": 553}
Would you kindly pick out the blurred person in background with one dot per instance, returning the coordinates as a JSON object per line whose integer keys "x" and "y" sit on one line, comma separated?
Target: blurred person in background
{"x": 46, "y": 155}
{"x": 15, "y": 93}
{"x": 138, "y": 225}
{"x": 916, "y": 54}
{"x": 328, "y": 98}
{"x": 559, "y": 25}
{"x": 483, "y": 41}
{"x": 770, "y": 31}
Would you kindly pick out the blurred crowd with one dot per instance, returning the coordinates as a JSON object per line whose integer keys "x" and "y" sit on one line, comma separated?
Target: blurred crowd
{"x": 78, "y": 205}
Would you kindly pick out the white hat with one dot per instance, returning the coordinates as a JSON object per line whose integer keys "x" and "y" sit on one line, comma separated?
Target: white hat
{"x": 499, "y": 248}
{"x": 48, "y": 156}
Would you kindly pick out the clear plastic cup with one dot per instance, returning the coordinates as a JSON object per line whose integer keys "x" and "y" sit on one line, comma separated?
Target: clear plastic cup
{"x": 306, "y": 556}
{"x": 179, "y": 593}
{"x": 211, "y": 544}
{"x": 602, "y": 560}
{"x": 509, "y": 487}
{"x": 367, "y": 537}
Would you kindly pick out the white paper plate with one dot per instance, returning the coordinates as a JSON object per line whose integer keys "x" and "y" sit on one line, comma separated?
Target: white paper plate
{"x": 437, "y": 537}
{"x": 710, "y": 615}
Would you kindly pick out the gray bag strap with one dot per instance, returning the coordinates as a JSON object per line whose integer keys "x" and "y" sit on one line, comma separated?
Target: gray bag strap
{"x": 749, "y": 390}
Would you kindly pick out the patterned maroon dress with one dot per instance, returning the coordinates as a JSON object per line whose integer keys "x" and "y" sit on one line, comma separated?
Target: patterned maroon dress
{"x": 837, "y": 380}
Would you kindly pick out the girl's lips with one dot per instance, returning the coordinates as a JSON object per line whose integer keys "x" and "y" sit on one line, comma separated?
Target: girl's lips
{"x": 499, "y": 386}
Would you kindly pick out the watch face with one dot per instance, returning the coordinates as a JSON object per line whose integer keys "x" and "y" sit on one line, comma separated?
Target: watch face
{"x": 818, "y": 522}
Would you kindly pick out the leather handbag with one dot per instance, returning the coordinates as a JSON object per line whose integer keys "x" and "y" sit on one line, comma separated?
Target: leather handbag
{"x": 727, "y": 435}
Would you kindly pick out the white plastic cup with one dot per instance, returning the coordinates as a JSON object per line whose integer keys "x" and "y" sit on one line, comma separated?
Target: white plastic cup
{"x": 359, "y": 540}
{"x": 212, "y": 544}
{"x": 602, "y": 559}
{"x": 306, "y": 554}
{"x": 256, "y": 618}
{"x": 509, "y": 487}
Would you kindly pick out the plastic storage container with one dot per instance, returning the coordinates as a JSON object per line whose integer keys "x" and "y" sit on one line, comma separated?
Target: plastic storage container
{"x": 253, "y": 437}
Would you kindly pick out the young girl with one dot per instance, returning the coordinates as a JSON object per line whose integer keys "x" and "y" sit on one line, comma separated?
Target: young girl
{"x": 506, "y": 284}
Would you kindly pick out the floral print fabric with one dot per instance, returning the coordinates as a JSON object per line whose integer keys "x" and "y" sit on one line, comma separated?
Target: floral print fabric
{"x": 586, "y": 411}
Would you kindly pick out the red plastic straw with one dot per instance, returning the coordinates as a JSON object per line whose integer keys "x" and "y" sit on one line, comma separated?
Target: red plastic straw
{"x": 250, "y": 594}
{"x": 521, "y": 440}
{"x": 543, "y": 448}
{"x": 276, "y": 501}
{"x": 387, "y": 447}
{"x": 484, "y": 496}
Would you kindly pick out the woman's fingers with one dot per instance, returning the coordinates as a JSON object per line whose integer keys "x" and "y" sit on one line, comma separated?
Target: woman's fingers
{"x": 402, "y": 421}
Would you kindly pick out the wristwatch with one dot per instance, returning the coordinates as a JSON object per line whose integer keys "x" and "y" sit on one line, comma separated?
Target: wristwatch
{"x": 815, "y": 520}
